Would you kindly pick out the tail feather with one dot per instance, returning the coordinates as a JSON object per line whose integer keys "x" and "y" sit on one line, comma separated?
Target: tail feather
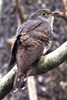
{"x": 20, "y": 82}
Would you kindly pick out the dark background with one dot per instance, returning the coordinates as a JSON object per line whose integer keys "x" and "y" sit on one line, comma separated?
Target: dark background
{"x": 50, "y": 86}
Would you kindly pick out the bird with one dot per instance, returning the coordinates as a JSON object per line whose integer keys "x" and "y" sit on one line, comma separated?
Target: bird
{"x": 33, "y": 39}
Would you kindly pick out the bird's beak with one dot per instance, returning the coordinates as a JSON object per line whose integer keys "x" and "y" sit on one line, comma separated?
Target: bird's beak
{"x": 56, "y": 13}
{"x": 60, "y": 14}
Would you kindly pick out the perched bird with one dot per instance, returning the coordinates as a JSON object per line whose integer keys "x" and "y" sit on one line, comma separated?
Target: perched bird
{"x": 33, "y": 38}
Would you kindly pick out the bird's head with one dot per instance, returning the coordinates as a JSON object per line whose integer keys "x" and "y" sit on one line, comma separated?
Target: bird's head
{"x": 44, "y": 15}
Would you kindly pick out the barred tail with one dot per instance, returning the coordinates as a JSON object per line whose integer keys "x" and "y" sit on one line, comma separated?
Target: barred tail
{"x": 20, "y": 82}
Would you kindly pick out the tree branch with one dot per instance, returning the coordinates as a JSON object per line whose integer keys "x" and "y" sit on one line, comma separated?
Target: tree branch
{"x": 6, "y": 83}
{"x": 50, "y": 61}
{"x": 21, "y": 11}
{"x": 43, "y": 65}
{"x": 32, "y": 91}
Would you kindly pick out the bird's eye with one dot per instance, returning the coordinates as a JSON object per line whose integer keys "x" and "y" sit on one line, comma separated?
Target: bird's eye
{"x": 50, "y": 15}
{"x": 43, "y": 14}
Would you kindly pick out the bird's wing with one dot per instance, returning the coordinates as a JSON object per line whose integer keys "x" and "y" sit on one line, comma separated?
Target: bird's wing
{"x": 26, "y": 27}
{"x": 30, "y": 49}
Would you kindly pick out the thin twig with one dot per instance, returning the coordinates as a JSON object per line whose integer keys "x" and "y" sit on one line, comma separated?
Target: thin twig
{"x": 21, "y": 11}
{"x": 31, "y": 83}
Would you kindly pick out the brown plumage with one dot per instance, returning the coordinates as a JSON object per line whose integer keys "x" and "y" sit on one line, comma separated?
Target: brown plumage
{"x": 32, "y": 38}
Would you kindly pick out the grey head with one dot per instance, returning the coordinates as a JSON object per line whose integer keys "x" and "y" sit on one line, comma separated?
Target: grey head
{"x": 44, "y": 15}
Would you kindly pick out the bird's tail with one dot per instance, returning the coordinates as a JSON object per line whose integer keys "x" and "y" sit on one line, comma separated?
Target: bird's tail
{"x": 19, "y": 83}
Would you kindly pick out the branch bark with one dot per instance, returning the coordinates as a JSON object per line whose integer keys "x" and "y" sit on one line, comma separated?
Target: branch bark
{"x": 43, "y": 65}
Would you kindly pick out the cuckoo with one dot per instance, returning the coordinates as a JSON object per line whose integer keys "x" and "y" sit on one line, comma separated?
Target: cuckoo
{"x": 33, "y": 39}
